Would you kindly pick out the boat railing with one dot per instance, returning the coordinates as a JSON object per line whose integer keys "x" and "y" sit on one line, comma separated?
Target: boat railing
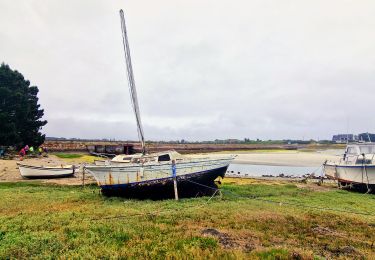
{"x": 365, "y": 160}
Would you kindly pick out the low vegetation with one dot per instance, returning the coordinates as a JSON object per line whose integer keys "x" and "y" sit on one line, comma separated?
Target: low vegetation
{"x": 68, "y": 155}
{"x": 77, "y": 157}
{"x": 248, "y": 220}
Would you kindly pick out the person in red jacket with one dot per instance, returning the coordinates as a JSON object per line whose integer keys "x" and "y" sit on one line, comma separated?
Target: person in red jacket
{"x": 22, "y": 153}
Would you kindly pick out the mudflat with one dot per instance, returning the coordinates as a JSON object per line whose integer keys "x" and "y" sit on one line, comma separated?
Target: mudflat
{"x": 284, "y": 157}
{"x": 288, "y": 158}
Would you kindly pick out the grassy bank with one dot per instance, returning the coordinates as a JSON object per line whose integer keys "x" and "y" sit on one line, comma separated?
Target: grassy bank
{"x": 68, "y": 155}
{"x": 77, "y": 157}
{"x": 251, "y": 220}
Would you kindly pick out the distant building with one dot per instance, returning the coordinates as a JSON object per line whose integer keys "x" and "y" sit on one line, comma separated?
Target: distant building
{"x": 344, "y": 138}
{"x": 232, "y": 141}
{"x": 366, "y": 137}
{"x": 227, "y": 141}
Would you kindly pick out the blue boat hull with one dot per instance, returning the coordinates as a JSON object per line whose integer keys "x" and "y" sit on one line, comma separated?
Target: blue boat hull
{"x": 190, "y": 185}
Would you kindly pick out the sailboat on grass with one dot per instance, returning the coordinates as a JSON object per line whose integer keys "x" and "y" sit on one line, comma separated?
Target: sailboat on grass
{"x": 150, "y": 175}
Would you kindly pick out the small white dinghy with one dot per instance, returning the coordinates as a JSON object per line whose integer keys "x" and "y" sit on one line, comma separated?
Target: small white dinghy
{"x": 36, "y": 172}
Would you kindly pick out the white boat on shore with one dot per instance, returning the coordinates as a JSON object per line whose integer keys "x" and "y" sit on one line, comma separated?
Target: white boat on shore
{"x": 356, "y": 167}
{"x": 40, "y": 172}
{"x": 151, "y": 175}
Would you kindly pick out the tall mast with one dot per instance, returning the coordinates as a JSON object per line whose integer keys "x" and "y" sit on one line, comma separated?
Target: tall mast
{"x": 132, "y": 89}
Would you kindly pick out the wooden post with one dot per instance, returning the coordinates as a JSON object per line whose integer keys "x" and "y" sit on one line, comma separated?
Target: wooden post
{"x": 175, "y": 188}
{"x": 83, "y": 176}
{"x": 174, "y": 179}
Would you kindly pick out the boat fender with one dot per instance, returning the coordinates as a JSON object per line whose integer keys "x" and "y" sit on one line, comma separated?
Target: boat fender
{"x": 141, "y": 172}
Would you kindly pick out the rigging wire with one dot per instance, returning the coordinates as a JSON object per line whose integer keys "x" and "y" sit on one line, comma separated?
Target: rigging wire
{"x": 131, "y": 82}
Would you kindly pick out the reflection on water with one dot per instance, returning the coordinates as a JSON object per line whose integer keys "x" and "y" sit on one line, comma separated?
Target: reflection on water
{"x": 267, "y": 170}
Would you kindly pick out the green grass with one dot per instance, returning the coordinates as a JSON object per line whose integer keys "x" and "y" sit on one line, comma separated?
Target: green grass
{"x": 77, "y": 157}
{"x": 50, "y": 221}
{"x": 68, "y": 155}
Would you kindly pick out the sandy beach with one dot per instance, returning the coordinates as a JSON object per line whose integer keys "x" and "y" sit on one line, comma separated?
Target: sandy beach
{"x": 282, "y": 157}
{"x": 288, "y": 158}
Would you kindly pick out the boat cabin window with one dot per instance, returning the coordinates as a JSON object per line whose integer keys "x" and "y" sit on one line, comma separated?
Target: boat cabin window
{"x": 363, "y": 161}
{"x": 164, "y": 158}
{"x": 367, "y": 149}
{"x": 352, "y": 150}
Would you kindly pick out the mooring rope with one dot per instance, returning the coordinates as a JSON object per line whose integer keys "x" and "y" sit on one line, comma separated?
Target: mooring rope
{"x": 157, "y": 212}
{"x": 313, "y": 172}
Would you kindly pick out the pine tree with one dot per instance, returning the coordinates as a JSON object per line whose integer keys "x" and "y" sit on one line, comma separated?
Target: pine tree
{"x": 20, "y": 113}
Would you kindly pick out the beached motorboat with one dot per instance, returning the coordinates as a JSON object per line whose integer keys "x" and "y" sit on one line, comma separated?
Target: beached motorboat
{"x": 152, "y": 175}
{"x": 356, "y": 167}
{"x": 40, "y": 172}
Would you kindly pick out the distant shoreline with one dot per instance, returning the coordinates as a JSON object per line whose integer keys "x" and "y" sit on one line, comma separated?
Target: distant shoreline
{"x": 81, "y": 146}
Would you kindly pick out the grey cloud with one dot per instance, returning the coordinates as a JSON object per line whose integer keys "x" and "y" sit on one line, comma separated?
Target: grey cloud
{"x": 204, "y": 69}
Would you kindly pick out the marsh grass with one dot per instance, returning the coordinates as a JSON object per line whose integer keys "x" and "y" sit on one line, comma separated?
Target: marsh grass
{"x": 77, "y": 157}
{"x": 51, "y": 221}
{"x": 68, "y": 155}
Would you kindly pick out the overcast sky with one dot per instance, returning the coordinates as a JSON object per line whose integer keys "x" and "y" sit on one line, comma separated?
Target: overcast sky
{"x": 203, "y": 69}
